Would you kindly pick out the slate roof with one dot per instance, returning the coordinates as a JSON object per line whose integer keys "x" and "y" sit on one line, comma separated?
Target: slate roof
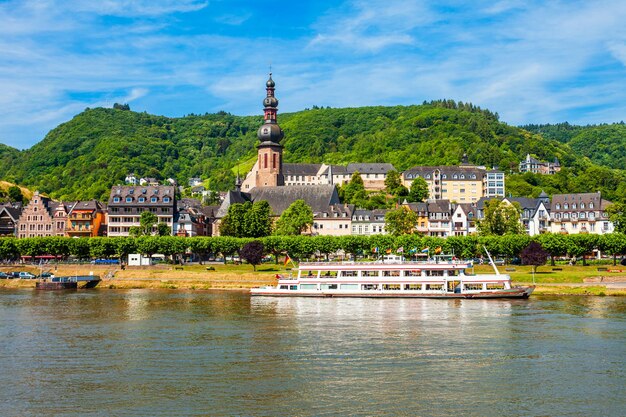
{"x": 368, "y": 168}
{"x": 318, "y": 197}
{"x": 147, "y": 191}
{"x": 595, "y": 198}
{"x": 92, "y": 205}
{"x": 338, "y": 211}
{"x": 301, "y": 169}
{"x": 469, "y": 173}
{"x": 232, "y": 197}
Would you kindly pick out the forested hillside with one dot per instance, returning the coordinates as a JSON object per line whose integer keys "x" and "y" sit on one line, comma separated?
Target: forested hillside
{"x": 84, "y": 157}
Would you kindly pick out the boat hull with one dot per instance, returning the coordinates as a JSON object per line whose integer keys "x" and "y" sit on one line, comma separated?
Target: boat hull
{"x": 55, "y": 286}
{"x": 520, "y": 292}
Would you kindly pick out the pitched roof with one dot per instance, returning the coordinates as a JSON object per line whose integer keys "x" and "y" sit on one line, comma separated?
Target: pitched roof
{"x": 562, "y": 199}
{"x": 123, "y": 191}
{"x": 232, "y": 197}
{"x": 469, "y": 173}
{"x": 369, "y": 168}
{"x": 318, "y": 197}
{"x": 301, "y": 169}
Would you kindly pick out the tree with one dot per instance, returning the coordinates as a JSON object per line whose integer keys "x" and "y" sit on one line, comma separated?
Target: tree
{"x": 500, "y": 218}
{"x": 400, "y": 221}
{"x": 258, "y": 220}
{"x": 295, "y": 220}
{"x": 15, "y": 194}
{"x": 163, "y": 229}
{"x": 534, "y": 255}
{"x": 252, "y": 252}
{"x": 247, "y": 220}
{"x": 147, "y": 220}
{"x": 354, "y": 190}
{"x": 419, "y": 190}
{"x": 234, "y": 223}
{"x": 617, "y": 214}
{"x": 392, "y": 182}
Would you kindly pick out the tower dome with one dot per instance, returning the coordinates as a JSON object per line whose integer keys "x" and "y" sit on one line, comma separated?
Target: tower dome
{"x": 270, "y": 131}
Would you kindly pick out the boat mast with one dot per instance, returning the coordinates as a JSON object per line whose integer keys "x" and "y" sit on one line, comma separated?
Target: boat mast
{"x": 493, "y": 264}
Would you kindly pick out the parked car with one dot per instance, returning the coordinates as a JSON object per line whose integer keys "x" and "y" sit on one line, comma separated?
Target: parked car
{"x": 26, "y": 275}
{"x": 3, "y": 275}
{"x": 14, "y": 274}
{"x": 46, "y": 275}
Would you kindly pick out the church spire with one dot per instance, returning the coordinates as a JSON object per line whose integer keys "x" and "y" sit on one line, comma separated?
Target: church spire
{"x": 270, "y": 131}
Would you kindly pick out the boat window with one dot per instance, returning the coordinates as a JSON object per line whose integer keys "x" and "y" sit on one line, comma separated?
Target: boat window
{"x": 329, "y": 286}
{"x": 369, "y": 287}
{"x": 391, "y": 287}
{"x": 452, "y": 272}
{"x": 434, "y": 273}
{"x": 308, "y": 286}
{"x": 349, "y": 273}
{"x": 369, "y": 273}
{"x": 293, "y": 287}
{"x": 329, "y": 274}
{"x": 412, "y": 287}
{"x": 415, "y": 273}
{"x": 284, "y": 287}
{"x": 495, "y": 286}
{"x": 473, "y": 287}
{"x": 391, "y": 273}
{"x": 434, "y": 287}
{"x": 349, "y": 286}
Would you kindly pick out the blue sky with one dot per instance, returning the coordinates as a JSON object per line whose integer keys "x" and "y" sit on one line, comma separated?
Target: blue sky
{"x": 530, "y": 61}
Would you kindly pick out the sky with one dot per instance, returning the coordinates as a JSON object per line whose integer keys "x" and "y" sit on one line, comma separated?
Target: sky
{"x": 530, "y": 61}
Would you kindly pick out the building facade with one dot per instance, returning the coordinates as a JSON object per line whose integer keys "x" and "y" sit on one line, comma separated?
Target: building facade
{"x": 536, "y": 166}
{"x": 580, "y": 213}
{"x": 126, "y": 203}
{"x": 42, "y": 217}
{"x": 86, "y": 219}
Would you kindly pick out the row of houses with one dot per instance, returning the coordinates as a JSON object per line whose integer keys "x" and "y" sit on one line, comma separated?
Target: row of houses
{"x": 462, "y": 183}
{"x": 564, "y": 213}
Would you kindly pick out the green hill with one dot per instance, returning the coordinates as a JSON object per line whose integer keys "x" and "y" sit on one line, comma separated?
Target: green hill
{"x": 84, "y": 157}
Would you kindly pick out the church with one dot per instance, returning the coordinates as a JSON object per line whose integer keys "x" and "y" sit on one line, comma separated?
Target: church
{"x": 267, "y": 180}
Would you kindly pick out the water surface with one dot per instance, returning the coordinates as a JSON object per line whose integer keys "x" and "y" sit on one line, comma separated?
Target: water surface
{"x": 150, "y": 353}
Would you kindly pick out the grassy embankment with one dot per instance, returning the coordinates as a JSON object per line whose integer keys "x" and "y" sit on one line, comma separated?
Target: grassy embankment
{"x": 580, "y": 280}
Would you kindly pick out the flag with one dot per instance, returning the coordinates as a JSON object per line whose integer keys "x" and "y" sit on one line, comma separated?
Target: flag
{"x": 400, "y": 249}
{"x": 287, "y": 259}
{"x": 375, "y": 250}
{"x": 388, "y": 251}
{"x": 414, "y": 250}
{"x": 425, "y": 250}
{"x": 438, "y": 250}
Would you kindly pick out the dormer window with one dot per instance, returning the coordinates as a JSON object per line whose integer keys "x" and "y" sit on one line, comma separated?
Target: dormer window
{"x": 131, "y": 191}
{"x": 409, "y": 176}
{"x": 473, "y": 176}
{"x": 166, "y": 199}
{"x": 444, "y": 176}
{"x": 144, "y": 191}
{"x": 141, "y": 199}
{"x": 156, "y": 191}
{"x": 153, "y": 200}
{"x": 574, "y": 206}
{"x": 129, "y": 199}
{"x": 565, "y": 206}
{"x": 116, "y": 199}
{"x": 582, "y": 205}
{"x": 558, "y": 207}
{"x": 462, "y": 176}
{"x": 590, "y": 205}
{"x": 427, "y": 176}
{"x": 456, "y": 177}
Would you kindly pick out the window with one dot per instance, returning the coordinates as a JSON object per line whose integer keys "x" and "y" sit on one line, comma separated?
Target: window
{"x": 141, "y": 199}
{"x": 590, "y": 205}
{"x": 166, "y": 199}
{"x": 116, "y": 199}
{"x": 129, "y": 199}
{"x": 153, "y": 200}
{"x": 558, "y": 206}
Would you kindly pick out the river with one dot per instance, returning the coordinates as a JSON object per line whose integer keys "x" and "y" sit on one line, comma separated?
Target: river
{"x": 170, "y": 353}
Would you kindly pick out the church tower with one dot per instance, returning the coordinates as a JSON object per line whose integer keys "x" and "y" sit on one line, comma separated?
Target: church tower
{"x": 270, "y": 151}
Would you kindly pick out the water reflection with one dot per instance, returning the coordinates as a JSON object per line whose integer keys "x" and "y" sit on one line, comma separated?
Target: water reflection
{"x": 142, "y": 352}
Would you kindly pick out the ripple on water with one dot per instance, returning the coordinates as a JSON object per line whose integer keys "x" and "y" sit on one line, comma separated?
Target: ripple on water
{"x": 220, "y": 353}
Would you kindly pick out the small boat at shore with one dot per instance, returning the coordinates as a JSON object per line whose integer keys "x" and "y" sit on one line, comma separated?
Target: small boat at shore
{"x": 442, "y": 276}
{"x": 67, "y": 283}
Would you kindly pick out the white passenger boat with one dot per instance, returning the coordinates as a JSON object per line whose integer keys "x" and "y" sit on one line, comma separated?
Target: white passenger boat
{"x": 391, "y": 276}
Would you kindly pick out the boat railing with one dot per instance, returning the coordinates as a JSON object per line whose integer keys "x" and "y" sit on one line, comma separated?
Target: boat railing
{"x": 349, "y": 263}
